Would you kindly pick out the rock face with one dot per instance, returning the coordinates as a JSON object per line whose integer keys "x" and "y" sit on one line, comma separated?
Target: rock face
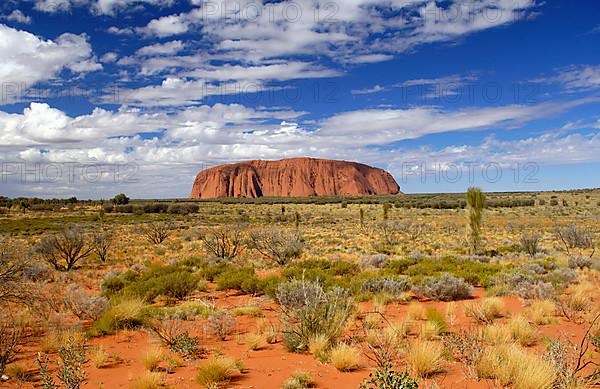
{"x": 292, "y": 177}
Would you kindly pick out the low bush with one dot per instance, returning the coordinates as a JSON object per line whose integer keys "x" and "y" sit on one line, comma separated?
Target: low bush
{"x": 444, "y": 288}
{"x": 375, "y": 261}
{"x": 307, "y": 311}
{"x": 220, "y": 324}
{"x": 72, "y": 358}
{"x": 83, "y": 306}
{"x": 393, "y": 286}
{"x": 579, "y": 262}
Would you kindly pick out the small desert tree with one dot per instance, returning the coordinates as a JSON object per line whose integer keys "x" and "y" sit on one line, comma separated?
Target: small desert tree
{"x": 574, "y": 237}
{"x": 224, "y": 242}
{"x": 530, "y": 243}
{"x": 279, "y": 246}
{"x": 64, "y": 249}
{"x": 101, "y": 242}
{"x": 475, "y": 204}
{"x": 156, "y": 233}
{"x": 120, "y": 199}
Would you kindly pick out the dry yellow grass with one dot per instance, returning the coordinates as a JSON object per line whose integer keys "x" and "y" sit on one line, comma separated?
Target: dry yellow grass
{"x": 416, "y": 311}
{"x": 522, "y": 331}
{"x": 344, "y": 357}
{"x": 486, "y": 310}
{"x": 497, "y": 334}
{"x": 99, "y": 357}
{"x": 451, "y": 313}
{"x": 55, "y": 339}
{"x": 511, "y": 365}
{"x": 398, "y": 330}
{"x": 425, "y": 358}
{"x": 541, "y": 312}
{"x": 255, "y": 341}
{"x": 217, "y": 370}
{"x": 152, "y": 358}
{"x": 318, "y": 345}
{"x": 147, "y": 380}
{"x": 430, "y": 330}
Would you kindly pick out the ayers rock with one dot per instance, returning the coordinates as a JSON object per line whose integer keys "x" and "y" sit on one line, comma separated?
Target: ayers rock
{"x": 292, "y": 177}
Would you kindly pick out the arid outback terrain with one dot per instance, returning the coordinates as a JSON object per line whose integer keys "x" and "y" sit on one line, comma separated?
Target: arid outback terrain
{"x": 424, "y": 291}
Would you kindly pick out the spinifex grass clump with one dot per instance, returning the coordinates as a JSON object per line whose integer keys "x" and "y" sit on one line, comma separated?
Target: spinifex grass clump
{"x": 475, "y": 204}
{"x": 308, "y": 311}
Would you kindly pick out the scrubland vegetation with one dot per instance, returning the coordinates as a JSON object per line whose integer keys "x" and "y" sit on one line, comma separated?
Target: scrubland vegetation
{"x": 476, "y": 290}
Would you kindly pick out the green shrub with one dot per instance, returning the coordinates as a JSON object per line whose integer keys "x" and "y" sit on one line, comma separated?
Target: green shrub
{"x": 123, "y": 314}
{"x": 473, "y": 272}
{"x": 176, "y": 285}
{"x": 386, "y": 378}
{"x": 173, "y": 281}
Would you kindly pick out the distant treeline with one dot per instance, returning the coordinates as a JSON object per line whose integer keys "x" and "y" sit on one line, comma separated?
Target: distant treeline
{"x": 37, "y": 204}
{"x": 173, "y": 208}
{"x": 436, "y": 201}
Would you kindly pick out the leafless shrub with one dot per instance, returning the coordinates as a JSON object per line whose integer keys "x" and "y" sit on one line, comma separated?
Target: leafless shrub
{"x": 530, "y": 243}
{"x": 389, "y": 232}
{"x": 102, "y": 242}
{"x": 571, "y": 361}
{"x": 83, "y": 306}
{"x": 381, "y": 347}
{"x": 174, "y": 334}
{"x": 573, "y": 237}
{"x": 156, "y": 233}
{"x": 220, "y": 324}
{"x": 13, "y": 267}
{"x": 11, "y": 335}
{"x": 278, "y": 245}
{"x": 223, "y": 242}
{"x": 466, "y": 347}
{"x": 65, "y": 249}
{"x": 534, "y": 290}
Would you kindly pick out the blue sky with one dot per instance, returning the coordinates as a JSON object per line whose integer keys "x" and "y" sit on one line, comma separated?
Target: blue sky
{"x": 107, "y": 96}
